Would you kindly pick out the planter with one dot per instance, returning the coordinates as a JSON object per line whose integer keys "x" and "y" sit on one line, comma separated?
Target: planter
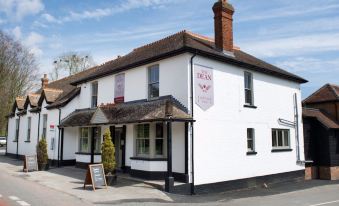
{"x": 111, "y": 180}
{"x": 43, "y": 167}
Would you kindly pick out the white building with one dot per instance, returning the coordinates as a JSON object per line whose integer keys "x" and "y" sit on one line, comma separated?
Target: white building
{"x": 230, "y": 118}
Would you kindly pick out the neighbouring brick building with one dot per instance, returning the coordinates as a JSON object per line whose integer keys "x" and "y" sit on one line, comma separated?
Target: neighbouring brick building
{"x": 321, "y": 133}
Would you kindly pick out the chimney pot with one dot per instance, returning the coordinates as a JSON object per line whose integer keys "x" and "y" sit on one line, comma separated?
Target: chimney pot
{"x": 223, "y": 25}
{"x": 44, "y": 81}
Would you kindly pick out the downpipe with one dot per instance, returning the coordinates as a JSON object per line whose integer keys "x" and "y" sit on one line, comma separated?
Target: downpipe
{"x": 192, "y": 127}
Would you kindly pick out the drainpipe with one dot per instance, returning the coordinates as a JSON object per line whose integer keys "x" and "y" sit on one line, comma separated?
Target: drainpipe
{"x": 297, "y": 127}
{"x": 59, "y": 137}
{"x": 192, "y": 127}
{"x": 17, "y": 141}
{"x": 7, "y": 134}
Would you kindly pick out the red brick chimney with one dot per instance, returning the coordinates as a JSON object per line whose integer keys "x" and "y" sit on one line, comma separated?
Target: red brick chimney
{"x": 44, "y": 81}
{"x": 223, "y": 25}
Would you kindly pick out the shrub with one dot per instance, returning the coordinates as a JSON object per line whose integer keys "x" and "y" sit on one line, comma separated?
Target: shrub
{"x": 108, "y": 153}
{"x": 42, "y": 151}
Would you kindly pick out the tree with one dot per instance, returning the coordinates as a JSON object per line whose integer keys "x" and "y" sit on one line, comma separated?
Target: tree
{"x": 42, "y": 155}
{"x": 108, "y": 153}
{"x": 71, "y": 63}
{"x": 18, "y": 72}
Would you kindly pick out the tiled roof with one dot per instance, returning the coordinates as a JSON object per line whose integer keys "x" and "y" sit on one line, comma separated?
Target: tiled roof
{"x": 181, "y": 42}
{"x": 32, "y": 99}
{"x": 321, "y": 116}
{"x": 65, "y": 98}
{"x": 328, "y": 92}
{"x": 130, "y": 112}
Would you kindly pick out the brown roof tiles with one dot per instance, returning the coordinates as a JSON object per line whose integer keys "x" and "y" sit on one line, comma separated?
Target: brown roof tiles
{"x": 328, "y": 92}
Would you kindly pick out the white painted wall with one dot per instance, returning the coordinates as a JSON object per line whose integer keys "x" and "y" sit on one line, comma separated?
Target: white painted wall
{"x": 11, "y": 146}
{"x": 220, "y": 132}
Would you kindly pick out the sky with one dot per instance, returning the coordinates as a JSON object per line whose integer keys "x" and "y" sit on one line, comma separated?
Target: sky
{"x": 299, "y": 36}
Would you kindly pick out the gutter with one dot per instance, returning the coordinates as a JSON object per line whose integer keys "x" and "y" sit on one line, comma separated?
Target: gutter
{"x": 192, "y": 126}
{"x": 38, "y": 128}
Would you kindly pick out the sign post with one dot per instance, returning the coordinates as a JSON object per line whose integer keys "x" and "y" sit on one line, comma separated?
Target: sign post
{"x": 95, "y": 176}
{"x": 30, "y": 163}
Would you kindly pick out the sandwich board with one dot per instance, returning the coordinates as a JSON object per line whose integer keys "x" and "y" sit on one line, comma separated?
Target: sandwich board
{"x": 30, "y": 163}
{"x": 95, "y": 176}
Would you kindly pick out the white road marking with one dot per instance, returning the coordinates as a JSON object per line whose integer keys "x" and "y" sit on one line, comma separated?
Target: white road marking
{"x": 325, "y": 203}
{"x": 14, "y": 198}
{"x": 0, "y": 196}
{"x": 23, "y": 203}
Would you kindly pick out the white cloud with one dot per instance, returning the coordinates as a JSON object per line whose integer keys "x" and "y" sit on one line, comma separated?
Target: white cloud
{"x": 17, "y": 33}
{"x": 33, "y": 42}
{"x": 18, "y": 9}
{"x": 294, "y": 10}
{"x": 49, "y": 18}
{"x": 310, "y": 65}
{"x": 299, "y": 45}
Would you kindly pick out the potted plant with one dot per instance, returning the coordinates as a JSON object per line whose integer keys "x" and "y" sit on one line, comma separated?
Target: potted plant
{"x": 108, "y": 158}
{"x": 42, "y": 155}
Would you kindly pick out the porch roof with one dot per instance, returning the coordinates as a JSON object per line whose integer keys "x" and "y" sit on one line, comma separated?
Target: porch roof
{"x": 164, "y": 108}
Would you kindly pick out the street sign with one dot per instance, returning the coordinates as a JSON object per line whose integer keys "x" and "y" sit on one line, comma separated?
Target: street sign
{"x": 95, "y": 176}
{"x": 30, "y": 163}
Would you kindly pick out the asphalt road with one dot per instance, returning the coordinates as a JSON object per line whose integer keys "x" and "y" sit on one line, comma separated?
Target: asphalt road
{"x": 16, "y": 191}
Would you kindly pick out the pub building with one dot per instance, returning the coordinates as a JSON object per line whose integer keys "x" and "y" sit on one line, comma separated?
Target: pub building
{"x": 186, "y": 108}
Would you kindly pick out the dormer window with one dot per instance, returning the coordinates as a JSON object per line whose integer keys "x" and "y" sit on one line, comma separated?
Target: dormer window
{"x": 153, "y": 82}
{"x": 94, "y": 98}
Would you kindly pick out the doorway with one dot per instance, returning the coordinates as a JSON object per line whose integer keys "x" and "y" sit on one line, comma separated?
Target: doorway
{"x": 118, "y": 138}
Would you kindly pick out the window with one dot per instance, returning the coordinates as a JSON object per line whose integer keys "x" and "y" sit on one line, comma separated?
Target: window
{"x": 94, "y": 101}
{"x": 16, "y": 130}
{"x": 44, "y": 126}
{"x": 159, "y": 139}
{"x": 142, "y": 140}
{"x": 250, "y": 140}
{"x": 153, "y": 82}
{"x": 97, "y": 139}
{"x": 29, "y": 122}
{"x": 248, "y": 78}
{"x": 280, "y": 138}
{"x": 84, "y": 140}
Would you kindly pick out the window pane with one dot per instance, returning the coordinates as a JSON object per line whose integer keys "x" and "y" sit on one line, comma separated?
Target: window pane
{"x": 146, "y": 130}
{"x": 94, "y": 88}
{"x": 249, "y": 145}
{"x": 154, "y": 90}
{"x": 159, "y": 130}
{"x": 154, "y": 74}
{"x": 248, "y": 96}
{"x": 280, "y": 143}
{"x": 274, "y": 139}
{"x": 286, "y": 139}
{"x": 159, "y": 146}
{"x": 146, "y": 146}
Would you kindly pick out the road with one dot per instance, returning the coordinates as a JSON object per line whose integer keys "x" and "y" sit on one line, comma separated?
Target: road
{"x": 16, "y": 190}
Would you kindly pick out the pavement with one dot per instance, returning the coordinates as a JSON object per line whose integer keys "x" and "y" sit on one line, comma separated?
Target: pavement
{"x": 64, "y": 186}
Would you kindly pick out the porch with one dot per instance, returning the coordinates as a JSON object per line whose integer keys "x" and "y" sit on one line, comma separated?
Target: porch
{"x": 150, "y": 138}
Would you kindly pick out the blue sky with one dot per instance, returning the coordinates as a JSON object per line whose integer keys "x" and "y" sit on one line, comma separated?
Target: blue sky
{"x": 299, "y": 36}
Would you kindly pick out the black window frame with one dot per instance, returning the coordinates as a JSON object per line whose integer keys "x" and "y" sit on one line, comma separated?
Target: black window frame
{"x": 250, "y": 132}
{"x": 44, "y": 125}
{"x": 29, "y": 129}
{"x": 16, "y": 130}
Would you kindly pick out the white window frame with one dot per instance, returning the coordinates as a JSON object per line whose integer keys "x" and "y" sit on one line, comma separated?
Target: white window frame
{"x": 150, "y": 83}
{"x": 97, "y": 140}
{"x": 283, "y": 132}
{"x": 44, "y": 125}
{"x": 82, "y": 137}
{"x": 29, "y": 129}
{"x": 250, "y": 89}
{"x": 94, "y": 104}
{"x": 143, "y": 139}
{"x": 252, "y": 138}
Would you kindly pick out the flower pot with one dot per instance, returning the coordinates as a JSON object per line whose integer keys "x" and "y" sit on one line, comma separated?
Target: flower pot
{"x": 111, "y": 180}
{"x": 43, "y": 167}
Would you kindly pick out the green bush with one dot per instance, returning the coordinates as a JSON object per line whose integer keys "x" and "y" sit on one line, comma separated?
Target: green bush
{"x": 108, "y": 153}
{"x": 41, "y": 151}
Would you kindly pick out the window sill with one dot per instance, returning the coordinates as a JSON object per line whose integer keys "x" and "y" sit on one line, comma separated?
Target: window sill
{"x": 86, "y": 153}
{"x": 251, "y": 153}
{"x": 148, "y": 159}
{"x": 282, "y": 150}
{"x": 250, "y": 106}
{"x": 28, "y": 141}
{"x": 15, "y": 140}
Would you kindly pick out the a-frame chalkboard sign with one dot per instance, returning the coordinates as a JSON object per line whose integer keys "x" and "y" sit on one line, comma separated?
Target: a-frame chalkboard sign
{"x": 30, "y": 163}
{"x": 95, "y": 176}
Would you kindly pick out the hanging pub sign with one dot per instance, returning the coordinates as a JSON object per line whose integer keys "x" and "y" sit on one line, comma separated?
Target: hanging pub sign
{"x": 119, "y": 88}
{"x": 204, "y": 88}
{"x": 95, "y": 176}
{"x": 30, "y": 163}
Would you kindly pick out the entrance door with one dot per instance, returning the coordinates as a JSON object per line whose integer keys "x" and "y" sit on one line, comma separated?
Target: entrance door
{"x": 118, "y": 138}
